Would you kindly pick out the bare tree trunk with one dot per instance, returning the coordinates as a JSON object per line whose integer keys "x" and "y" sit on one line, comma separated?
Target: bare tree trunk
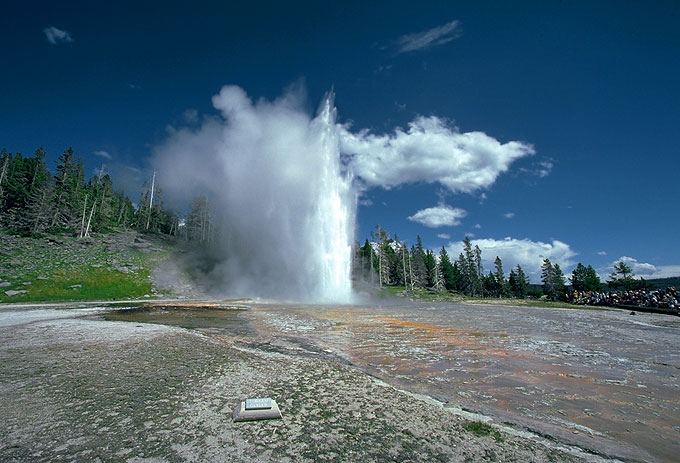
{"x": 101, "y": 203}
{"x": 403, "y": 258}
{"x": 61, "y": 195}
{"x": 2, "y": 173}
{"x": 39, "y": 213}
{"x": 380, "y": 263}
{"x": 120, "y": 214}
{"x": 410, "y": 271}
{"x": 82, "y": 222}
{"x": 371, "y": 271}
{"x": 87, "y": 230}
{"x": 148, "y": 216}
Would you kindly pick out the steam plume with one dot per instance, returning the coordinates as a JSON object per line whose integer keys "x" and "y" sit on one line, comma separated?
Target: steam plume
{"x": 274, "y": 178}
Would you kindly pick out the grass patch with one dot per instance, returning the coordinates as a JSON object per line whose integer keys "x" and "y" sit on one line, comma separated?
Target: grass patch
{"x": 95, "y": 283}
{"x": 480, "y": 429}
{"x": 422, "y": 294}
{"x": 108, "y": 267}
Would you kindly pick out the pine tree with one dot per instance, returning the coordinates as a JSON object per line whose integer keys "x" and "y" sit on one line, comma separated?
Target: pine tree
{"x": 553, "y": 280}
{"x": 40, "y": 196}
{"x": 622, "y": 276}
{"x": 470, "y": 265}
{"x": 363, "y": 263}
{"x": 501, "y": 284}
{"x": 578, "y": 277}
{"x": 431, "y": 268}
{"x": 438, "y": 277}
{"x": 15, "y": 193}
{"x": 420, "y": 276}
{"x": 380, "y": 237}
{"x": 198, "y": 223}
{"x": 447, "y": 268}
{"x": 547, "y": 278}
{"x": 591, "y": 280}
{"x": 68, "y": 190}
{"x": 518, "y": 283}
{"x": 489, "y": 285}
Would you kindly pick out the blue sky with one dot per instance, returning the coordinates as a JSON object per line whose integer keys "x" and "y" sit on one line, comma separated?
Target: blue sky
{"x": 589, "y": 91}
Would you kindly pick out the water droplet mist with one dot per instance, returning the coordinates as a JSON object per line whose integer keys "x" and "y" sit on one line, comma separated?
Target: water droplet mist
{"x": 285, "y": 207}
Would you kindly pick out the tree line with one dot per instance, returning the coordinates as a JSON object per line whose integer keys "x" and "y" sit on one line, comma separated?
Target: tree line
{"x": 388, "y": 261}
{"x": 33, "y": 201}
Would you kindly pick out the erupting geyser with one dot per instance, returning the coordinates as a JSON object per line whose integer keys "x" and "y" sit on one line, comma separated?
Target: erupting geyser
{"x": 334, "y": 213}
{"x": 283, "y": 204}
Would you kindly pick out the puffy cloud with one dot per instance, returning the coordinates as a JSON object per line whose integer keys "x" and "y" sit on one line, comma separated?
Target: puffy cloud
{"x": 602, "y": 253}
{"x": 444, "y": 236}
{"x": 55, "y": 35}
{"x": 509, "y": 215}
{"x": 529, "y": 254}
{"x": 103, "y": 154}
{"x": 439, "y": 216}
{"x": 642, "y": 269}
{"x": 430, "y": 38}
{"x": 429, "y": 151}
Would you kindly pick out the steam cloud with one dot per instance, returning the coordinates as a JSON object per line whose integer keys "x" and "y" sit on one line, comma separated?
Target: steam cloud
{"x": 273, "y": 177}
{"x": 284, "y": 186}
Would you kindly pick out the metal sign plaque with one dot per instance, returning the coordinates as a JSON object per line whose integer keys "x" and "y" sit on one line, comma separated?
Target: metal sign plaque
{"x": 258, "y": 404}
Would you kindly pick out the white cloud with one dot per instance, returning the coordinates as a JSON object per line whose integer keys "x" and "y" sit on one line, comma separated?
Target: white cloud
{"x": 103, "y": 154}
{"x": 545, "y": 167}
{"x": 190, "y": 116}
{"x": 365, "y": 202}
{"x": 509, "y": 215}
{"x": 439, "y": 216}
{"x": 602, "y": 253}
{"x": 529, "y": 254}
{"x": 429, "y": 151}
{"x": 642, "y": 269}
{"x": 478, "y": 226}
{"x": 444, "y": 236}
{"x": 55, "y": 35}
{"x": 430, "y": 38}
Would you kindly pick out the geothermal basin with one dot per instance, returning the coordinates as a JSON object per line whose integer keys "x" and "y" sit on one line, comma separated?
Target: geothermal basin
{"x": 604, "y": 381}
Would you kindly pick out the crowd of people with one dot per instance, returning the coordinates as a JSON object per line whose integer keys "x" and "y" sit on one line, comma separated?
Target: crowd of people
{"x": 668, "y": 298}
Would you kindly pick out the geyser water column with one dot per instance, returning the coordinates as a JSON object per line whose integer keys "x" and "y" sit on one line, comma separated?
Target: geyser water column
{"x": 335, "y": 210}
{"x": 285, "y": 207}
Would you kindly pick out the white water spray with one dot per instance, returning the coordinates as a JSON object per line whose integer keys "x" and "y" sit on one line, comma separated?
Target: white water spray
{"x": 285, "y": 207}
{"x": 334, "y": 214}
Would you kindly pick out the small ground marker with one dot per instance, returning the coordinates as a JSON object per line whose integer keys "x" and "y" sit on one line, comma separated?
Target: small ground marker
{"x": 257, "y": 409}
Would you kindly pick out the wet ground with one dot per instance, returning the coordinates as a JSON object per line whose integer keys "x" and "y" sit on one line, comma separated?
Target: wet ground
{"x": 77, "y": 387}
{"x": 607, "y": 381}
{"x": 604, "y": 381}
